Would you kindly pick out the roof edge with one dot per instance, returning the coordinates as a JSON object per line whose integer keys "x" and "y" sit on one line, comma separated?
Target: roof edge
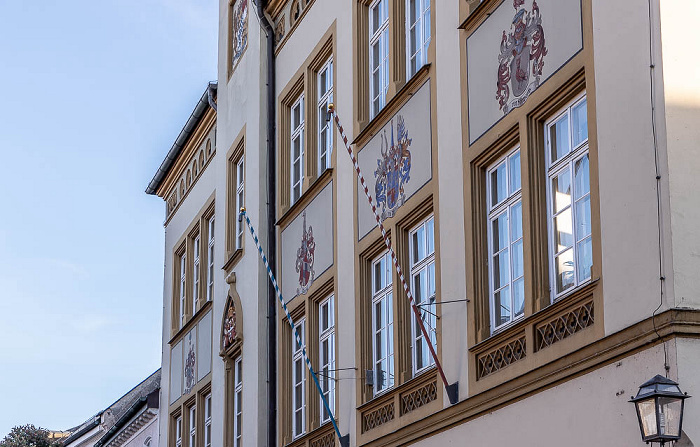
{"x": 185, "y": 134}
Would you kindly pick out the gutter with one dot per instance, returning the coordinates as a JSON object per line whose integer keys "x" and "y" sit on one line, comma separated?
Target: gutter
{"x": 204, "y": 103}
{"x": 271, "y": 228}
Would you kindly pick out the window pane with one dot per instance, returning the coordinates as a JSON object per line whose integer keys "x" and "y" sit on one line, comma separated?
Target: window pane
{"x": 518, "y": 265}
{"x": 564, "y": 270}
{"x": 499, "y": 227}
{"x": 377, "y": 276}
{"x": 498, "y": 184}
{"x": 516, "y": 224}
{"x": 583, "y": 218}
{"x": 296, "y": 116}
{"x": 502, "y": 306}
{"x": 559, "y": 138}
{"x": 584, "y": 259}
{"x": 514, "y": 172}
{"x": 518, "y": 297}
{"x": 500, "y": 270}
{"x": 581, "y": 177}
{"x": 418, "y": 245}
{"x": 561, "y": 188}
{"x": 376, "y": 14}
{"x": 579, "y": 118}
{"x": 431, "y": 282}
{"x": 562, "y": 231}
{"x": 430, "y": 235}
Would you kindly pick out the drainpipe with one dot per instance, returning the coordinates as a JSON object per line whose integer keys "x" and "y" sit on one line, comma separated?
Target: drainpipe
{"x": 271, "y": 228}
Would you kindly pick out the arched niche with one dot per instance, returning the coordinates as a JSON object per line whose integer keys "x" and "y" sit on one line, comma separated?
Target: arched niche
{"x": 232, "y": 321}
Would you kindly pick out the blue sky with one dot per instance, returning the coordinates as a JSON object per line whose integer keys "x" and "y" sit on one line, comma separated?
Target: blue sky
{"x": 92, "y": 96}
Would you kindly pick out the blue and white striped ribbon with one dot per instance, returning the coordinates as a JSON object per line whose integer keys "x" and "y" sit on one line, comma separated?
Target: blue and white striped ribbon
{"x": 244, "y": 215}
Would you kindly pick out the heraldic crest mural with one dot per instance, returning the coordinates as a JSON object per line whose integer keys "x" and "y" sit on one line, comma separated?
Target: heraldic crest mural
{"x": 305, "y": 259}
{"x": 240, "y": 30}
{"x": 190, "y": 362}
{"x": 522, "y": 57}
{"x": 393, "y": 169}
{"x": 229, "y": 332}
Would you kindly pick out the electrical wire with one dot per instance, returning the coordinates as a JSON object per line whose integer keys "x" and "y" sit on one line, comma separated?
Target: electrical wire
{"x": 652, "y": 98}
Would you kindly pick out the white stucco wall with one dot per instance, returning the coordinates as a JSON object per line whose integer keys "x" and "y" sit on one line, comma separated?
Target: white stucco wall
{"x": 681, "y": 103}
{"x": 591, "y": 410}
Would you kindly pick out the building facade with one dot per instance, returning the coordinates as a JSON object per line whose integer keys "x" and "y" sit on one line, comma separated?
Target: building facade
{"x": 532, "y": 165}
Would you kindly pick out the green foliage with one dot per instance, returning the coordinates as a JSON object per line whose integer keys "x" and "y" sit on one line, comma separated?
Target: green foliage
{"x": 28, "y": 436}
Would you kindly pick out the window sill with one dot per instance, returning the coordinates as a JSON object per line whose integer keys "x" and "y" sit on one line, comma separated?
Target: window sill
{"x": 529, "y": 335}
{"x": 192, "y": 322}
{"x": 375, "y": 124}
{"x": 306, "y": 197}
{"x": 233, "y": 259}
{"x": 323, "y": 435}
{"x": 410, "y": 401}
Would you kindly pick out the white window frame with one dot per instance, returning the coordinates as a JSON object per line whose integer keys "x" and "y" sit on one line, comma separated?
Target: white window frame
{"x": 299, "y": 408}
{"x": 427, "y": 300}
{"x": 379, "y": 37}
{"x": 183, "y": 287}
{"x": 327, "y": 359}
{"x": 512, "y": 200}
{"x": 178, "y": 431}
{"x": 207, "y": 420}
{"x": 423, "y": 33}
{"x": 210, "y": 258}
{"x": 325, "y": 128}
{"x": 554, "y": 168}
{"x": 240, "y": 201}
{"x": 237, "y": 402}
{"x": 383, "y": 297}
{"x": 193, "y": 426}
{"x": 197, "y": 246}
{"x": 297, "y": 132}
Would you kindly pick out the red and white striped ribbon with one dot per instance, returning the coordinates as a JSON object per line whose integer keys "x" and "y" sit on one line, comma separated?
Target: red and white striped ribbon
{"x": 387, "y": 241}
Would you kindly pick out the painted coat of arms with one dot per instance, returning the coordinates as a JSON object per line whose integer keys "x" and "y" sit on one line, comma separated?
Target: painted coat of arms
{"x": 240, "y": 30}
{"x": 230, "y": 326}
{"x": 521, "y": 60}
{"x": 305, "y": 259}
{"x": 190, "y": 362}
{"x": 393, "y": 169}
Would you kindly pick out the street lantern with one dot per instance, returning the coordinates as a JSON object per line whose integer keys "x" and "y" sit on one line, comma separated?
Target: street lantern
{"x": 659, "y": 406}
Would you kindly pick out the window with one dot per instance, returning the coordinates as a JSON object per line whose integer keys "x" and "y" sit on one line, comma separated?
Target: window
{"x": 505, "y": 240}
{"x": 378, "y": 54}
{"x": 298, "y": 382}
{"x": 568, "y": 198}
{"x": 193, "y": 426}
{"x": 183, "y": 287}
{"x": 207, "y": 420}
{"x": 325, "y": 129}
{"x": 238, "y": 403}
{"x": 417, "y": 34}
{"x": 326, "y": 342}
{"x": 239, "y": 202}
{"x": 297, "y": 149}
{"x": 210, "y": 259}
{"x": 382, "y": 324}
{"x": 195, "y": 277}
{"x": 178, "y": 431}
{"x": 422, "y": 258}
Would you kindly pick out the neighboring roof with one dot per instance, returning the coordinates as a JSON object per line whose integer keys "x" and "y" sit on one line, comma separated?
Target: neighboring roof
{"x": 200, "y": 109}
{"x": 116, "y": 411}
{"x": 133, "y": 419}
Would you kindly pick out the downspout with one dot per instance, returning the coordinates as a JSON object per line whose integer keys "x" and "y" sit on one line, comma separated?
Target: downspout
{"x": 271, "y": 229}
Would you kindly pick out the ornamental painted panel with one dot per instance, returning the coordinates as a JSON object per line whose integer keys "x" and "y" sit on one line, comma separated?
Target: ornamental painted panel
{"x": 397, "y": 161}
{"x": 176, "y": 372}
{"x": 190, "y": 361}
{"x": 515, "y": 51}
{"x": 239, "y": 31}
{"x": 307, "y": 245}
{"x": 204, "y": 339}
